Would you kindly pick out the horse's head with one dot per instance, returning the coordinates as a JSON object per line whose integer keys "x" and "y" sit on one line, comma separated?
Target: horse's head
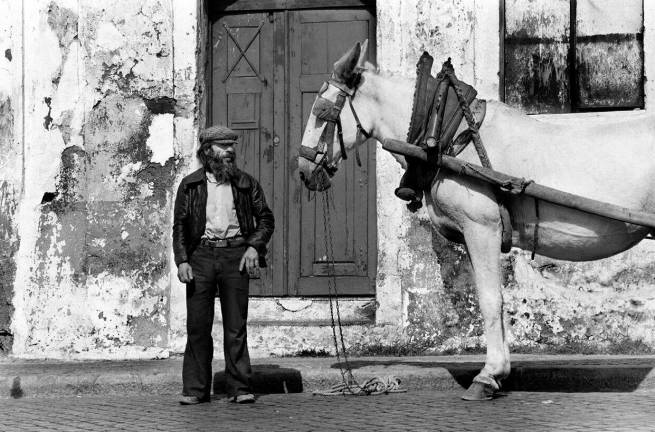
{"x": 325, "y": 142}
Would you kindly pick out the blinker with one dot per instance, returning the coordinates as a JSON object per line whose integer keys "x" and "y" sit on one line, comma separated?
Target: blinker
{"x": 325, "y": 109}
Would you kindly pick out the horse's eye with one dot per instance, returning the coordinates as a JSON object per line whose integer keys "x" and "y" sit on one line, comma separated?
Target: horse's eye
{"x": 324, "y": 88}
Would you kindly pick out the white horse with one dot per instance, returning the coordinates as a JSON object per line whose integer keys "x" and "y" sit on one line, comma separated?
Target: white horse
{"x": 612, "y": 162}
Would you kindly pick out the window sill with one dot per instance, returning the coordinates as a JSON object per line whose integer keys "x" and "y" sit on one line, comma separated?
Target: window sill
{"x": 598, "y": 116}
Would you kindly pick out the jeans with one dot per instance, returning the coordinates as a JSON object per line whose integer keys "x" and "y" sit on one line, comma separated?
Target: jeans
{"x": 216, "y": 269}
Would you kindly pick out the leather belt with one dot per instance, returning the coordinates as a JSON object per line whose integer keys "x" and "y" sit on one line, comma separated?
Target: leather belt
{"x": 222, "y": 243}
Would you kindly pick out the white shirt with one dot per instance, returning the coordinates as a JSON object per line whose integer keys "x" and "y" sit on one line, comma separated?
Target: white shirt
{"x": 222, "y": 221}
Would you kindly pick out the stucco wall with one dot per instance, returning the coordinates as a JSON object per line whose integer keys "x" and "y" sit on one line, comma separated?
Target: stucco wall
{"x": 602, "y": 306}
{"x": 11, "y": 163}
{"x": 100, "y": 103}
{"x": 104, "y": 107}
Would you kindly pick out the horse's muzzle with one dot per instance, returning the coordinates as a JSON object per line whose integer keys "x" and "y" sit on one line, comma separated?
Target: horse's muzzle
{"x": 318, "y": 181}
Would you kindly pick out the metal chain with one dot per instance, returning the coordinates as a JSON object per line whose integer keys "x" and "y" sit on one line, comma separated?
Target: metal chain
{"x": 349, "y": 385}
{"x": 346, "y": 374}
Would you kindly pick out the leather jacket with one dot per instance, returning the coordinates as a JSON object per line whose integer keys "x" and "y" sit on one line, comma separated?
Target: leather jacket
{"x": 256, "y": 220}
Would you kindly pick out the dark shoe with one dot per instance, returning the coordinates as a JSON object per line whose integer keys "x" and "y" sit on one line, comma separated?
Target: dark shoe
{"x": 245, "y": 398}
{"x": 192, "y": 400}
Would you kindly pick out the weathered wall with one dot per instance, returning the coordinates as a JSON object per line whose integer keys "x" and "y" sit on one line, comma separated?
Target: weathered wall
{"x": 602, "y": 306}
{"x": 426, "y": 279}
{"x": 101, "y": 110}
{"x": 99, "y": 107}
{"x": 11, "y": 163}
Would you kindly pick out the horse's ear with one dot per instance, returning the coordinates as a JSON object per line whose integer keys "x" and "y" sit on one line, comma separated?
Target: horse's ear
{"x": 344, "y": 68}
{"x": 363, "y": 55}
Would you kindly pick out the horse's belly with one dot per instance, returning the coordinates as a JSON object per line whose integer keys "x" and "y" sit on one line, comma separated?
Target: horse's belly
{"x": 569, "y": 234}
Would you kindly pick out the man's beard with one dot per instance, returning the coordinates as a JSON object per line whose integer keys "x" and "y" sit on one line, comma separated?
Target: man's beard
{"x": 222, "y": 168}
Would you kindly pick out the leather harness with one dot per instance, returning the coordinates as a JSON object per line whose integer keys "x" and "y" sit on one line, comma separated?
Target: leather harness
{"x": 438, "y": 108}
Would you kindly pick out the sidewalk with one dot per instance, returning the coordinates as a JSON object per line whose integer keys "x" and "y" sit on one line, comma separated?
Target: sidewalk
{"x": 558, "y": 373}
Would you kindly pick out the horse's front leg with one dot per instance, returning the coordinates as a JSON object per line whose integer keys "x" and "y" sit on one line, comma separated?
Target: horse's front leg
{"x": 483, "y": 244}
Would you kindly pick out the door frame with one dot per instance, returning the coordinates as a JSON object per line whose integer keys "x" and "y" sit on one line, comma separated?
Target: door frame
{"x": 221, "y": 7}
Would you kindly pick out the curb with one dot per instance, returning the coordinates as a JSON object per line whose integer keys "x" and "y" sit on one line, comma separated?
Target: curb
{"x": 30, "y": 378}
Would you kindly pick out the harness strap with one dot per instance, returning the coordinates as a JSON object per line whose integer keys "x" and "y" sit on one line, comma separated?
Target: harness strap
{"x": 479, "y": 108}
{"x": 308, "y": 153}
{"x": 477, "y": 142}
{"x": 342, "y": 146}
{"x": 327, "y": 139}
{"x": 360, "y": 131}
{"x": 535, "y": 234}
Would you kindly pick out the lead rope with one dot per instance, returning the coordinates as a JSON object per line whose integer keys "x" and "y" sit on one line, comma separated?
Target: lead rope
{"x": 347, "y": 376}
{"x": 348, "y": 385}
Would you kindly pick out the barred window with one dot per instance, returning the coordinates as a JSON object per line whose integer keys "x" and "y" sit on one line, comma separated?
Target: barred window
{"x": 573, "y": 55}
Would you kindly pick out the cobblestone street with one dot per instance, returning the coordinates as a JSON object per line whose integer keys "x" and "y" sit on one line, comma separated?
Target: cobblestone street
{"x": 413, "y": 411}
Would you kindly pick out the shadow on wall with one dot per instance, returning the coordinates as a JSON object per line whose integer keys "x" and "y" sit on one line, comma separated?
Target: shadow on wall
{"x": 568, "y": 376}
{"x": 266, "y": 379}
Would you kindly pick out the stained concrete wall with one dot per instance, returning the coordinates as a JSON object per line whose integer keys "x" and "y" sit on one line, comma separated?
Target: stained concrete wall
{"x": 11, "y": 163}
{"x": 602, "y": 306}
{"x": 100, "y": 103}
{"x": 106, "y": 109}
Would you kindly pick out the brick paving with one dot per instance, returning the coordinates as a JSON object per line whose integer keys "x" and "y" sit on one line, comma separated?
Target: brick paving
{"x": 412, "y": 411}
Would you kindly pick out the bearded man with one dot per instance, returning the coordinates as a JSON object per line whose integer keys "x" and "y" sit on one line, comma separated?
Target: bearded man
{"x": 220, "y": 230}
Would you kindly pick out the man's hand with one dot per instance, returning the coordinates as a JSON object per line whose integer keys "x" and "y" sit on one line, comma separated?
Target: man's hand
{"x": 184, "y": 272}
{"x": 250, "y": 261}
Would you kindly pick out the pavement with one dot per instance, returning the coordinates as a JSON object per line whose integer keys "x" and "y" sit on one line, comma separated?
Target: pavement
{"x": 557, "y": 373}
{"x": 413, "y": 411}
{"x": 543, "y": 393}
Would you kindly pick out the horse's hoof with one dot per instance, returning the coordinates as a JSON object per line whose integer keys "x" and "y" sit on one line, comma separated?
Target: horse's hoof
{"x": 478, "y": 391}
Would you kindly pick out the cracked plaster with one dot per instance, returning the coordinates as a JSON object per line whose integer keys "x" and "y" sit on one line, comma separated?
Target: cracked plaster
{"x": 118, "y": 133}
{"x": 593, "y": 306}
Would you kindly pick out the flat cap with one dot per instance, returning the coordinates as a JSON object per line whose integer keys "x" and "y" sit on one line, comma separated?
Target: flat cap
{"x": 221, "y": 134}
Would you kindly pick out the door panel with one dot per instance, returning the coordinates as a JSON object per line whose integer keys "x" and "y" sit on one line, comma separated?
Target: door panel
{"x": 243, "y": 60}
{"x": 317, "y": 40}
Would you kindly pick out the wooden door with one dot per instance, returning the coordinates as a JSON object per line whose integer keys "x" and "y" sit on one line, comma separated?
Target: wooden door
{"x": 266, "y": 69}
{"x": 317, "y": 39}
{"x": 244, "y": 59}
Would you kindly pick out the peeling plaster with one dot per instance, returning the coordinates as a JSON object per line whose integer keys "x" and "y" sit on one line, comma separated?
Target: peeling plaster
{"x": 63, "y": 22}
{"x": 89, "y": 232}
{"x": 93, "y": 268}
{"x": 550, "y": 305}
{"x": 160, "y": 140}
{"x": 9, "y": 243}
{"x": 108, "y": 37}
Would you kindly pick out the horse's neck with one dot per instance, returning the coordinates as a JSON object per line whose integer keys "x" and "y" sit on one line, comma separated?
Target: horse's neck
{"x": 386, "y": 104}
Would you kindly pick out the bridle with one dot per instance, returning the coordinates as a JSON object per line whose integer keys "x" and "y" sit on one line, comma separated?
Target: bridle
{"x": 330, "y": 112}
